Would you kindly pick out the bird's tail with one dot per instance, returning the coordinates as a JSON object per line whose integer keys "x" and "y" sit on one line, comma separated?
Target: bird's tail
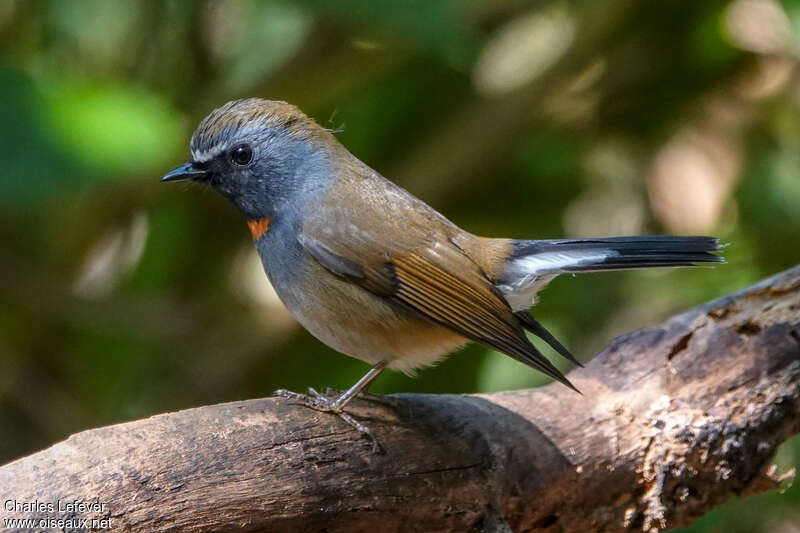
{"x": 614, "y": 253}
{"x": 533, "y": 264}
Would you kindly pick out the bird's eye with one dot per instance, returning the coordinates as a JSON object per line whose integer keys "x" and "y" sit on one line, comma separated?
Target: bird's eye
{"x": 242, "y": 154}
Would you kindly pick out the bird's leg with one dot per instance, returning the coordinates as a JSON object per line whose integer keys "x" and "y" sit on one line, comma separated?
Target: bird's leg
{"x": 319, "y": 402}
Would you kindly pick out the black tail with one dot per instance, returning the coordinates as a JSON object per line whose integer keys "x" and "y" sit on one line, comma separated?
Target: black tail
{"x": 625, "y": 252}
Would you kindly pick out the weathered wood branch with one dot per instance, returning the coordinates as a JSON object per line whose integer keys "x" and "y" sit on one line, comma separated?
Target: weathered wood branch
{"x": 673, "y": 421}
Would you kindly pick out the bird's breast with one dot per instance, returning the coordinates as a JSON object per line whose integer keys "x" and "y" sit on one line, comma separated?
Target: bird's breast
{"x": 348, "y": 318}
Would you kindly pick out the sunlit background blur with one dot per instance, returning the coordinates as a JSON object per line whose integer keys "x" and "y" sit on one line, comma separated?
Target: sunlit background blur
{"x": 121, "y": 297}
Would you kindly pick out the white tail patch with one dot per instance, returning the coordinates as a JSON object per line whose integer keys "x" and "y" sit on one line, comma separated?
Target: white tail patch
{"x": 526, "y": 276}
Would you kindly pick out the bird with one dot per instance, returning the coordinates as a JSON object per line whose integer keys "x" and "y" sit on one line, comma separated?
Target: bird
{"x": 374, "y": 272}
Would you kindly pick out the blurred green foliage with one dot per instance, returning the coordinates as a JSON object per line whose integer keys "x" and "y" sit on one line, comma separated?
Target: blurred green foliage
{"x": 120, "y": 297}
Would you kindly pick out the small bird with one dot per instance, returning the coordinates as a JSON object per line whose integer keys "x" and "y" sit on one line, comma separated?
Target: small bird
{"x": 376, "y": 273}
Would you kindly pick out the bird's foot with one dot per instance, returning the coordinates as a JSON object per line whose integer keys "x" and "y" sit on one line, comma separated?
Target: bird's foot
{"x": 320, "y": 402}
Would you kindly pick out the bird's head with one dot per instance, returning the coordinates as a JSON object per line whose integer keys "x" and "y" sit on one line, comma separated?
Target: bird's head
{"x": 260, "y": 154}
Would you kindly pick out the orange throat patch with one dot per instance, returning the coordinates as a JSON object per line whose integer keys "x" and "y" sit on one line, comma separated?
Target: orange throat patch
{"x": 258, "y": 228}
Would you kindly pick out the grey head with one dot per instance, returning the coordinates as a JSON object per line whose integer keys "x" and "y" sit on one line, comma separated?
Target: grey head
{"x": 260, "y": 154}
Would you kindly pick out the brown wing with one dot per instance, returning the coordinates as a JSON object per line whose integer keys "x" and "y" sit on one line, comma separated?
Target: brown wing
{"x": 432, "y": 278}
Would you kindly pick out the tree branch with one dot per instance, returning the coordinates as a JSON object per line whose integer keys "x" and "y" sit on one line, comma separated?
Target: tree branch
{"x": 673, "y": 421}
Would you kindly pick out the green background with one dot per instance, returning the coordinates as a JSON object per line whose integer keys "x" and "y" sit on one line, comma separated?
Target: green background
{"x": 121, "y": 297}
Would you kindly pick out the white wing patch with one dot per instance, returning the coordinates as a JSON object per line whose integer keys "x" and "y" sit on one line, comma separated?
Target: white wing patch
{"x": 529, "y": 274}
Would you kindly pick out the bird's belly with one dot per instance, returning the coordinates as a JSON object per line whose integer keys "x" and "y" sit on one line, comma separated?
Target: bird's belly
{"x": 357, "y": 323}
{"x": 407, "y": 343}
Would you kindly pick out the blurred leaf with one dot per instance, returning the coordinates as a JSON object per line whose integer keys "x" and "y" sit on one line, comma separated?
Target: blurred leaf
{"x": 167, "y": 249}
{"x": 273, "y": 32}
{"x": 98, "y": 29}
{"x": 441, "y": 26}
{"x": 31, "y": 160}
{"x": 116, "y": 129}
{"x": 710, "y": 49}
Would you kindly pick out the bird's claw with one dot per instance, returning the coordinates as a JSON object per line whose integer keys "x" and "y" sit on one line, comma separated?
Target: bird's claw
{"x": 319, "y": 402}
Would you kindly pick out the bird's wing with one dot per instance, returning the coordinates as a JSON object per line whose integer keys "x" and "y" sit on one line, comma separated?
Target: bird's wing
{"x": 424, "y": 273}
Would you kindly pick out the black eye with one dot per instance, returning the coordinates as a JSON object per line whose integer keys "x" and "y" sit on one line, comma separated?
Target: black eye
{"x": 242, "y": 154}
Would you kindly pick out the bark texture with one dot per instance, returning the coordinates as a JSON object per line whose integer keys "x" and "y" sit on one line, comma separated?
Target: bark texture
{"x": 673, "y": 421}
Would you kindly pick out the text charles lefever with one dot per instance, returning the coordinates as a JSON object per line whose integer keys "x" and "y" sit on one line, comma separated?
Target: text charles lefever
{"x": 61, "y": 506}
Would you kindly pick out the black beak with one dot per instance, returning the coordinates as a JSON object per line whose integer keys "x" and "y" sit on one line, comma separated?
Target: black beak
{"x": 186, "y": 171}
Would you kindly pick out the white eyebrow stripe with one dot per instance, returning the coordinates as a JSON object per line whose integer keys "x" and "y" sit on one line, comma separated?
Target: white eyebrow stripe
{"x": 203, "y": 156}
